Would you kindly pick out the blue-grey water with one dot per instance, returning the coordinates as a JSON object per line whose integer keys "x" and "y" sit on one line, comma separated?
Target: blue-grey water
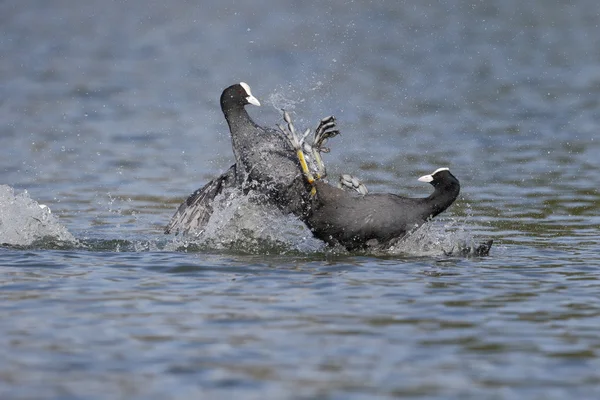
{"x": 109, "y": 116}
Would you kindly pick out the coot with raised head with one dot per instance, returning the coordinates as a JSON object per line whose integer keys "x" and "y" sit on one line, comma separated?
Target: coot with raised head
{"x": 264, "y": 162}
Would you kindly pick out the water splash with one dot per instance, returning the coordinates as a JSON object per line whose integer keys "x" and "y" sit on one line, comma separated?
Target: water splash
{"x": 290, "y": 96}
{"x": 440, "y": 237}
{"x": 239, "y": 223}
{"x": 246, "y": 223}
{"x": 23, "y": 221}
{"x": 280, "y": 101}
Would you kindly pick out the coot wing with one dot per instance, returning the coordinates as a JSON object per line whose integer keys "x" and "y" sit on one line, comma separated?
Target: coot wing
{"x": 193, "y": 214}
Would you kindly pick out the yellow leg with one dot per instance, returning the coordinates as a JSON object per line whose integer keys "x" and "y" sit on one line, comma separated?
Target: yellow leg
{"x": 304, "y": 166}
{"x": 296, "y": 143}
{"x": 306, "y": 171}
{"x": 320, "y": 166}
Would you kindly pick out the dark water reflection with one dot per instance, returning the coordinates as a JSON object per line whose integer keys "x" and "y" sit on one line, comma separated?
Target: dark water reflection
{"x": 110, "y": 116}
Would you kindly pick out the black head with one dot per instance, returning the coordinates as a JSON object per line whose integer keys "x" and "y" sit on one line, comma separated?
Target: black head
{"x": 439, "y": 178}
{"x": 238, "y": 94}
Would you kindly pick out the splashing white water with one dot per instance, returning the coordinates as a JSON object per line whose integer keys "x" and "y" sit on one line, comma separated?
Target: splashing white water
{"x": 23, "y": 220}
{"x": 279, "y": 101}
{"x": 436, "y": 238}
{"x": 246, "y": 223}
{"x": 290, "y": 96}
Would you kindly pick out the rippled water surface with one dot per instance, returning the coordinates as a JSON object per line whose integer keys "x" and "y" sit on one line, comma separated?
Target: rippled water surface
{"x": 109, "y": 116}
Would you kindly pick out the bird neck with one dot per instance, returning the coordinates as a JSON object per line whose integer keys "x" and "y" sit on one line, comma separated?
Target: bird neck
{"x": 442, "y": 197}
{"x": 236, "y": 115}
{"x": 240, "y": 124}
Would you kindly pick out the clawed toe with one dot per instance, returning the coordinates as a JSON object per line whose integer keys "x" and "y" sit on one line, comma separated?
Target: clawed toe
{"x": 326, "y": 127}
{"x": 291, "y": 138}
{"x": 309, "y": 153}
{"x": 326, "y": 120}
{"x": 289, "y": 132}
{"x": 325, "y": 124}
{"x": 325, "y": 130}
{"x": 351, "y": 182}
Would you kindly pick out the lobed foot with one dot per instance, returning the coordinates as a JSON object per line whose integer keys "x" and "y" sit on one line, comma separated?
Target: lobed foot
{"x": 351, "y": 182}
{"x": 289, "y": 132}
{"x": 297, "y": 144}
{"x": 309, "y": 154}
{"x": 325, "y": 130}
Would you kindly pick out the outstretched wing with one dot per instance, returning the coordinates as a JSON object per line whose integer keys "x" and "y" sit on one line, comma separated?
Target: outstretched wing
{"x": 193, "y": 214}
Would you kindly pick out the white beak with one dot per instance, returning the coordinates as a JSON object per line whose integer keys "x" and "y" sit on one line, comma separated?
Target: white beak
{"x": 250, "y": 99}
{"x": 426, "y": 178}
{"x": 253, "y": 100}
{"x": 429, "y": 178}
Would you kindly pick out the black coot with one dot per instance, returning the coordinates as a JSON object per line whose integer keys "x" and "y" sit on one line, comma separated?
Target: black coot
{"x": 357, "y": 221}
{"x": 264, "y": 162}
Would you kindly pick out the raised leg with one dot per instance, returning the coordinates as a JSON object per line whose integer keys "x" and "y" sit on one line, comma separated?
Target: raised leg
{"x": 309, "y": 153}
{"x": 297, "y": 143}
